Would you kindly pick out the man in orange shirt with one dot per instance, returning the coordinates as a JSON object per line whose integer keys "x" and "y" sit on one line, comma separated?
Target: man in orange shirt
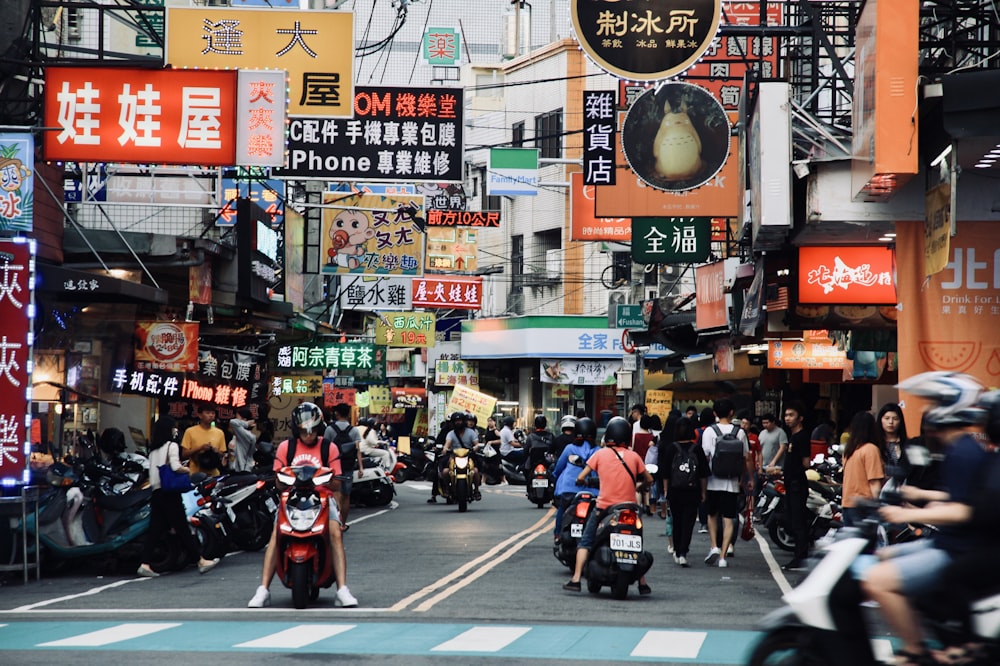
{"x": 618, "y": 469}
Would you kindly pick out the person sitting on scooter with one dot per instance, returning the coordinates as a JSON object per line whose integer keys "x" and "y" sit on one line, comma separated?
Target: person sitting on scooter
{"x": 510, "y": 448}
{"x": 567, "y": 435}
{"x": 912, "y": 569}
{"x": 619, "y": 469}
{"x": 460, "y": 436}
{"x": 370, "y": 444}
{"x": 585, "y": 431}
{"x": 307, "y": 422}
{"x": 537, "y": 444}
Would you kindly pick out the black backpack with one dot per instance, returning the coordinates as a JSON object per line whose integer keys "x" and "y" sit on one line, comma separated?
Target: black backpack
{"x": 347, "y": 446}
{"x": 728, "y": 459}
{"x": 684, "y": 468}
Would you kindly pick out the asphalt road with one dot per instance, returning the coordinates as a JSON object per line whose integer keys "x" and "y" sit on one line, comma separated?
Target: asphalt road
{"x": 434, "y": 586}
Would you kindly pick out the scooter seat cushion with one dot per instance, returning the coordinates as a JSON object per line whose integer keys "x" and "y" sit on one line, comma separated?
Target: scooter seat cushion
{"x": 121, "y": 502}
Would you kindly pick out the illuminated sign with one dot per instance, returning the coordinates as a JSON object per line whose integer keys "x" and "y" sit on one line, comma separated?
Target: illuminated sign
{"x": 862, "y": 275}
{"x": 458, "y": 293}
{"x": 17, "y": 306}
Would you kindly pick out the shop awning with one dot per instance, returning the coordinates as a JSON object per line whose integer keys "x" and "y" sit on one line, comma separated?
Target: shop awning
{"x": 76, "y": 285}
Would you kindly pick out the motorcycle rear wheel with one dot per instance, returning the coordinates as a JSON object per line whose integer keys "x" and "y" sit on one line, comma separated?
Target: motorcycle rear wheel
{"x": 462, "y": 494}
{"x": 619, "y": 589}
{"x": 381, "y": 495}
{"x": 780, "y": 536}
{"x": 785, "y": 647}
{"x": 254, "y": 529}
{"x": 593, "y": 586}
{"x": 300, "y": 584}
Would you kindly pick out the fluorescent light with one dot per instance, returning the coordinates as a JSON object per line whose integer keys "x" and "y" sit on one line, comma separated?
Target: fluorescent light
{"x": 940, "y": 158}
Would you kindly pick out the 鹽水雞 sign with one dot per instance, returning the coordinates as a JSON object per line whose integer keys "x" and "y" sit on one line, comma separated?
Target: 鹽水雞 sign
{"x": 397, "y": 134}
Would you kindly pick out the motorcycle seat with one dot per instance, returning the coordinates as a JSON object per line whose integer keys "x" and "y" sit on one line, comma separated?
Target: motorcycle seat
{"x": 121, "y": 502}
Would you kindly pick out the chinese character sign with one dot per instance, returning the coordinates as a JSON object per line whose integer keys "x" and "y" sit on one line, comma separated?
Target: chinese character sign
{"x": 17, "y": 165}
{"x": 458, "y": 293}
{"x": 140, "y": 116}
{"x": 314, "y": 47}
{"x": 406, "y": 329}
{"x": 349, "y": 357}
{"x": 461, "y": 218}
{"x": 452, "y": 249}
{"x": 584, "y": 225}
{"x": 371, "y": 234}
{"x": 377, "y": 293}
{"x": 295, "y": 385}
{"x": 465, "y": 399}
{"x": 670, "y": 240}
{"x": 396, "y": 134}
{"x": 599, "y": 125}
{"x": 260, "y": 113}
{"x": 451, "y": 372}
{"x": 16, "y": 307}
{"x": 862, "y": 275}
{"x": 648, "y": 41}
{"x": 334, "y": 395}
{"x": 579, "y": 372}
{"x": 166, "y": 345}
{"x": 442, "y": 46}
{"x": 710, "y": 297}
{"x": 266, "y": 192}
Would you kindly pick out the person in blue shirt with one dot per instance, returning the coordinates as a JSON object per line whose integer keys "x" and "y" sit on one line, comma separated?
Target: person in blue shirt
{"x": 565, "y": 473}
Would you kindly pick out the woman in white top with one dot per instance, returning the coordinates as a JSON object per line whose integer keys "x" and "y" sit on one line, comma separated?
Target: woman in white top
{"x": 166, "y": 509}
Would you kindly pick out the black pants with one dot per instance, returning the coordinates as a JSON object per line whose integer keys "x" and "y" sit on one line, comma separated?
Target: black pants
{"x": 166, "y": 512}
{"x": 684, "y": 514}
{"x": 797, "y": 517}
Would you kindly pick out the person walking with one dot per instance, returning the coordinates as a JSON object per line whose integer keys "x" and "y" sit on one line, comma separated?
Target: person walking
{"x": 684, "y": 473}
{"x": 244, "y": 441}
{"x": 166, "y": 508}
{"x": 705, "y": 419}
{"x": 796, "y": 486}
{"x": 863, "y": 469}
{"x": 347, "y": 438}
{"x": 723, "y": 490}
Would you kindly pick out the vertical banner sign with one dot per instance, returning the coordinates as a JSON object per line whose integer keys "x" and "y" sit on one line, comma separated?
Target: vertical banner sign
{"x": 513, "y": 172}
{"x": 670, "y": 240}
{"x": 371, "y": 234}
{"x": 710, "y": 297}
{"x": 17, "y": 166}
{"x": 599, "y": 164}
{"x": 260, "y": 118}
{"x": 17, "y": 306}
{"x": 442, "y": 46}
{"x": 583, "y": 225}
{"x": 314, "y": 47}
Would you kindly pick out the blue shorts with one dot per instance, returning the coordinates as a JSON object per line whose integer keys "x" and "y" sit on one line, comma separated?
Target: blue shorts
{"x": 919, "y": 565}
{"x": 346, "y": 482}
{"x": 590, "y": 529}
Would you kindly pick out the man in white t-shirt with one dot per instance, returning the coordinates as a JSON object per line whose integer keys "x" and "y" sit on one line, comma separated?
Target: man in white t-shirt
{"x": 723, "y": 494}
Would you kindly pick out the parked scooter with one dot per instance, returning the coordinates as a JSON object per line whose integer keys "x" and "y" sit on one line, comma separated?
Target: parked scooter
{"x": 490, "y": 464}
{"x": 574, "y": 518}
{"x": 823, "y": 624}
{"x": 823, "y": 507}
{"x": 244, "y": 505}
{"x": 371, "y": 485}
{"x": 305, "y": 563}
{"x": 618, "y": 559}
{"x": 417, "y": 464}
{"x": 458, "y": 484}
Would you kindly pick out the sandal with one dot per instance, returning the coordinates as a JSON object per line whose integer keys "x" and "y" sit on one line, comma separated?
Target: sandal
{"x": 962, "y": 655}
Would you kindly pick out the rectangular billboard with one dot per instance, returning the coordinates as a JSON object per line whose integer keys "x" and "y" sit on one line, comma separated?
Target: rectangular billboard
{"x": 847, "y": 275}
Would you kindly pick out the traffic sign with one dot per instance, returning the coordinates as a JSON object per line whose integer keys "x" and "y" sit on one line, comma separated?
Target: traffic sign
{"x": 626, "y": 316}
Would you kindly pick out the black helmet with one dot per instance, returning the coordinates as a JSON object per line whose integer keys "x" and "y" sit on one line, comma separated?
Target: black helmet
{"x": 618, "y": 432}
{"x": 508, "y": 421}
{"x": 586, "y": 428}
{"x": 111, "y": 441}
{"x": 307, "y": 416}
{"x": 457, "y": 418}
{"x": 991, "y": 403}
{"x": 541, "y": 423}
{"x": 471, "y": 418}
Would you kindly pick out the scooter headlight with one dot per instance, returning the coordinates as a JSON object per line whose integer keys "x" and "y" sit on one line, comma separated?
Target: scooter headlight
{"x": 322, "y": 479}
{"x": 302, "y": 519}
{"x": 462, "y": 463}
{"x": 285, "y": 479}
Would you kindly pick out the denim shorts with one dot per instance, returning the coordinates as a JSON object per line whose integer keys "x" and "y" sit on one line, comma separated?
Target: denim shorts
{"x": 590, "y": 529}
{"x": 346, "y": 483}
{"x": 919, "y": 565}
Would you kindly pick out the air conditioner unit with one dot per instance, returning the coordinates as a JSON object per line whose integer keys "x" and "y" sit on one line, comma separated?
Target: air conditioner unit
{"x": 553, "y": 264}
{"x": 617, "y": 297}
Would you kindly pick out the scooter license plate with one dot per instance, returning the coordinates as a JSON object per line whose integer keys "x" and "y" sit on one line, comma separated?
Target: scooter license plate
{"x": 631, "y": 543}
{"x": 576, "y": 530}
{"x": 539, "y": 483}
{"x": 272, "y": 506}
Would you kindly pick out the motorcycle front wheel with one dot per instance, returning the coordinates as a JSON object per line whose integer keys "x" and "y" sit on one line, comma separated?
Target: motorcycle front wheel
{"x": 462, "y": 494}
{"x": 300, "y": 584}
{"x": 785, "y": 648}
{"x": 780, "y": 536}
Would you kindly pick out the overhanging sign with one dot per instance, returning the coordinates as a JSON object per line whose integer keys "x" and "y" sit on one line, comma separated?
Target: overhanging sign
{"x": 671, "y": 240}
{"x": 626, "y": 316}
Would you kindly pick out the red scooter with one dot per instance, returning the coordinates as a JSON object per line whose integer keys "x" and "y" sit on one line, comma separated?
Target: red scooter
{"x": 305, "y": 563}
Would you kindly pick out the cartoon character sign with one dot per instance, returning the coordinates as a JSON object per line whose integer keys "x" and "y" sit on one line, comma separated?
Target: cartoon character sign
{"x": 350, "y": 232}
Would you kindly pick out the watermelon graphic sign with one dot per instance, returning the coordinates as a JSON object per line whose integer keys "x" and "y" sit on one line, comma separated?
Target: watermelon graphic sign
{"x": 949, "y": 322}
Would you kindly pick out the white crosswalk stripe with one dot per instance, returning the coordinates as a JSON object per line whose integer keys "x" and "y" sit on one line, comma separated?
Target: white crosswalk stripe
{"x": 670, "y": 644}
{"x": 296, "y": 637}
{"x": 116, "y": 634}
{"x": 482, "y": 639}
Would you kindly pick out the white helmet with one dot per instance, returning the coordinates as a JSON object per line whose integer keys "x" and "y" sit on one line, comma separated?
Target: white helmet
{"x": 568, "y": 422}
{"x": 307, "y": 416}
{"x": 955, "y": 397}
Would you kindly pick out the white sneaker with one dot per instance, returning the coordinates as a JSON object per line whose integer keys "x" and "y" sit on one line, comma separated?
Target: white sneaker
{"x": 730, "y": 552}
{"x": 712, "y": 556}
{"x": 670, "y": 548}
{"x": 345, "y": 598}
{"x": 677, "y": 560}
{"x": 683, "y": 561}
{"x": 722, "y": 563}
{"x": 261, "y": 598}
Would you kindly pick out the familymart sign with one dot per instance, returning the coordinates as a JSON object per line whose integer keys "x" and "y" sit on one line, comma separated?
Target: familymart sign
{"x": 512, "y": 172}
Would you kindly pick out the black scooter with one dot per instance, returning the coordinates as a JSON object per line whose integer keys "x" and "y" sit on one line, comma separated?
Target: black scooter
{"x": 540, "y": 486}
{"x": 618, "y": 559}
{"x": 574, "y": 518}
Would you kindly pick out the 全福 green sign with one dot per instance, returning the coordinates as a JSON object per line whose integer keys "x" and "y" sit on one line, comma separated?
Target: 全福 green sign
{"x": 671, "y": 240}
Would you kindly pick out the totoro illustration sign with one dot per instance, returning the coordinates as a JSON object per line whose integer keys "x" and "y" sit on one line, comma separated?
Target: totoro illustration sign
{"x": 647, "y": 41}
{"x": 676, "y": 137}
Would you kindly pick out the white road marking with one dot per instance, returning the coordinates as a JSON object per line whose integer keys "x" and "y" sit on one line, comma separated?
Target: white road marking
{"x": 670, "y": 644}
{"x": 116, "y": 634}
{"x": 296, "y": 637}
{"x": 70, "y": 597}
{"x": 773, "y": 565}
{"x": 482, "y": 639}
{"x": 393, "y": 505}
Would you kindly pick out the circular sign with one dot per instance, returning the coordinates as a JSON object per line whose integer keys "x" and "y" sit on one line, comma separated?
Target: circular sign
{"x": 647, "y": 41}
{"x": 166, "y": 342}
{"x": 676, "y": 137}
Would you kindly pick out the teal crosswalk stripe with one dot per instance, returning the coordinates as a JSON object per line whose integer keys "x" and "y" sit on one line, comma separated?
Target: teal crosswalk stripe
{"x": 587, "y": 643}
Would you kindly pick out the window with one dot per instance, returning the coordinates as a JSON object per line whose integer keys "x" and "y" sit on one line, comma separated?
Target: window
{"x": 517, "y": 135}
{"x": 622, "y": 271}
{"x": 517, "y": 264}
{"x": 548, "y": 134}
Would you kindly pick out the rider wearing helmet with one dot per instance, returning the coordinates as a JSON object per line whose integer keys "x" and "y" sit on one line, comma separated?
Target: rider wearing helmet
{"x": 912, "y": 569}
{"x": 573, "y": 455}
{"x": 537, "y": 443}
{"x": 307, "y": 423}
{"x": 566, "y": 436}
{"x": 619, "y": 469}
{"x": 510, "y": 448}
{"x": 460, "y": 437}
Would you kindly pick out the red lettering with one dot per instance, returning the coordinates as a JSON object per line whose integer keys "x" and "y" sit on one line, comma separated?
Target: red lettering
{"x": 369, "y": 104}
